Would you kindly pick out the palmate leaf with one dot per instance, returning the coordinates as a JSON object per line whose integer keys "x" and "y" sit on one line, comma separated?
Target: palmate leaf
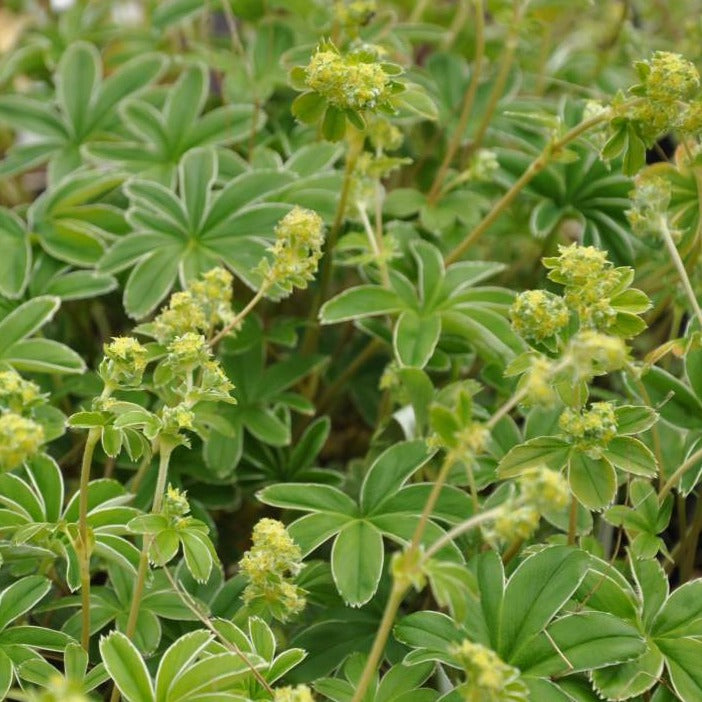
{"x": 19, "y": 349}
{"x": 386, "y": 508}
{"x": 584, "y": 190}
{"x": 441, "y": 309}
{"x": 518, "y": 619}
{"x": 189, "y": 232}
{"x": 158, "y": 140}
{"x": 671, "y": 625}
{"x": 84, "y": 106}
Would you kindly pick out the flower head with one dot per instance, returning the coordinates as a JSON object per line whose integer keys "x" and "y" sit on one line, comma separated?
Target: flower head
{"x": 184, "y": 314}
{"x": 537, "y": 314}
{"x": 20, "y": 439}
{"x": 347, "y": 82}
{"x": 272, "y": 561}
{"x": 667, "y": 76}
{"x": 17, "y": 394}
{"x": 297, "y": 249}
{"x": 544, "y": 489}
{"x": 187, "y": 352}
{"x": 577, "y": 265}
{"x": 299, "y": 693}
{"x": 175, "y": 503}
{"x": 125, "y": 361}
{"x": 590, "y": 429}
{"x": 488, "y": 677}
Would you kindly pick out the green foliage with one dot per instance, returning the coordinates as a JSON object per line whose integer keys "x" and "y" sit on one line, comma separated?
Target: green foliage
{"x": 349, "y": 352}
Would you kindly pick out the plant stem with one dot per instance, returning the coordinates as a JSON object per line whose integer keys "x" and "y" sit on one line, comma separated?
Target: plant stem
{"x": 498, "y": 85}
{"x": 240, "y": 316}
{"x": 329, "y": 395}
{"x": 678, "y": 474}
{"x": 460, "y": 529}
{"x": 468, "y": 102}
{"x": 84, "y": 552}
{"x": 355, "y": 147}
{"x": 572, "y": 521}
{"x": 164, "y": 458}
{"x": 536, "y": 166}
{"x": 373, "y": 661}
{"x": 680, "y": 268}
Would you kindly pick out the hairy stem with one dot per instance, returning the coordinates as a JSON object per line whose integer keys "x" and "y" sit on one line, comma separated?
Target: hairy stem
{"x": 265, "y": 286}
{"x": 85, "y": 548}
{"x": 669, "y": 484}
{"x": 536, "y": 166}
{"x": 468, "y": 102}
{"x": 680, "y": 268}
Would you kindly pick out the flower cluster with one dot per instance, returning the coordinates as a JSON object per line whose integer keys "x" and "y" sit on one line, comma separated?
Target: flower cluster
{"x": 17, "y": 394}
{"x": 649, "y": 205}
{"x": 299, "y": 693}
{"x": 299, "y": 237}
{"x": 540, "y": 491}
{"x": 205, "y": 304}
{"x": 124, "y": 363}
{"x": 347, "y": 81}
{"x": 21, "y": 436}
{"x": 489, "y": 678}
{"x": 352, "y": 14}
{"x": 187, "y": 352}
{"x": 175, "y": 503}
{"x": 20, "y": 439}
{"x": 538, "y": 315}
{"x": 590, "y": 430}
{"x": 271, "y": 563}
{"x": 666, "y": 99}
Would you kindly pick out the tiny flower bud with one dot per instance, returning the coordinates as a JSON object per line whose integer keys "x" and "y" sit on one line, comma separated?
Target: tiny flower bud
{"x": 537, "y": 383}
{"x": 175, "y": 503}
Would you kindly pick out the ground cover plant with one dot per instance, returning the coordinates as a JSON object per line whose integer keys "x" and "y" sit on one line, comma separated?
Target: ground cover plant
{"x": 350, "y": 351}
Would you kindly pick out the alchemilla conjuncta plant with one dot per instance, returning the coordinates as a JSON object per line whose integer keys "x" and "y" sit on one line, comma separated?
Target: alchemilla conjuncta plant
{"x": 350, "y": 351}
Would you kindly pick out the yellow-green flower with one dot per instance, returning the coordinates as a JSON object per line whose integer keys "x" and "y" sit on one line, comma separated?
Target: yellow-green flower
{"x": 299, "y": 237}
{"x": 589, "y": 429}
{"x": 667, "y": 76}
{"x": 20, "y": 439}
{"x": 184, "y": 314}
{"x": 488, "y": 677}
{"x": 125, "y": 361}
{"x": 187, "y": 352}
{"x": 17, "y": 394}
{"x": 544, "y": 489}
{"x": 299, "y": 693}
{"x": 538, "y": 314}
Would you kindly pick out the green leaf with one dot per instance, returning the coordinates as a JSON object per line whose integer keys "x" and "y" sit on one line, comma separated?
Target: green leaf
{"x": 308, "y": 107}
{"x": 389, "y": 473}
{"x": 682, "y": 659}
{"x": 535, "y": 593}
{"x": 151, "y": 281}
{"x": 630, "y": 678}
{"x": 357, "y": 562}
{"x": 676, "y": 404}
{"x": 77, "y": 79}
{"x": 16, "y": 255}
{"x": 25, "y": 320}
{"x": 21, "y": 596}
{"x": 551, "y": 451}
{"x": 630, "y": 455}
{"x": 634, "y": 420}
{"x": 198, "y": 556}
{"x": 581, "y": 642}
{"x": 334, "y": 124}
{"x": 197, "y": 173}
{"x": 126, "y": 667}
{"x": 415, "y": 338}
{"x": 185, "y": 102}
{"x": 308, "y": 497}
{"x": 359, "y": 302}
{"x": 44, "y": 356}
{"x": 592, "y": 480}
